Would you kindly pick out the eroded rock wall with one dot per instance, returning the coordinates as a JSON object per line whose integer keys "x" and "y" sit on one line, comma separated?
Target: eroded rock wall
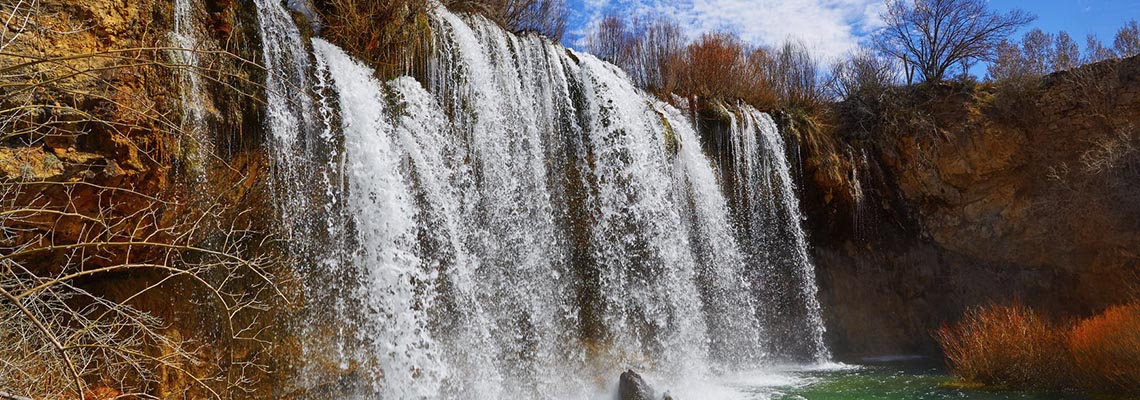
{"x": 95, "y": 149}
{"x": 1029, "y": 194}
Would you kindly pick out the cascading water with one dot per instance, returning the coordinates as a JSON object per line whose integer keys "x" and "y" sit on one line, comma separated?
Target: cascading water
{"x": 185, "y": 45}
{"x": 772, "y": 221}
{"x": 511, "y": 279}
{"x": 731, "y": 310}
{"x": 288, "y": 106}
{"x": 297, "y": 135}
{"x": 527, "y": 223}
{"x": 382, "y": 204}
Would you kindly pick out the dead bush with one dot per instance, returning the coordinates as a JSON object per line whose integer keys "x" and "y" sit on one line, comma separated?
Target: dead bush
{"x": 860, "y": 83}
{"x": 100, "y": 275}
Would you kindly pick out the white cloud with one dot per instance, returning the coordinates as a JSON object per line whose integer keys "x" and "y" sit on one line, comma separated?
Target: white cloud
{"x": 829, "y": 27}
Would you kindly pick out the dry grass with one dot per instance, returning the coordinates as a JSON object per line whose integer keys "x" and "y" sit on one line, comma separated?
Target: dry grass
{"x": 1106, "y": 350}
{"x": 1007, "y": 346}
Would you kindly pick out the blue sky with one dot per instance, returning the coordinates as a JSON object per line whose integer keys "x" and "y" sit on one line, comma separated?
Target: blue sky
{"x": 833, "y": 27}
{"x": 1078, "y": 17}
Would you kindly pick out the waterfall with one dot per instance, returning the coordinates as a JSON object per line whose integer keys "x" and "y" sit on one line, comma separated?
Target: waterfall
{"x": 736, "y": 335}
{"x": 384, "y": 216}
{"x": 288, "y": 106}
{"x": 296, "y": 133}
{"x": 773, "y": 226}
{"x": 509, "y": 287}
{"x": 185, "y": 45}
{"x": 524, "y": 222}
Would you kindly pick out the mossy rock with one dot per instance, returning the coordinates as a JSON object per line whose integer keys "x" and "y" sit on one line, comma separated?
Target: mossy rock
{"x": 672, "y": 142}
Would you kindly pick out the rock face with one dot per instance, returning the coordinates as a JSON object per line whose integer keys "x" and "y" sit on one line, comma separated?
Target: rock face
{"x": 998, "y": 195}
{"x": 93, "y": 150}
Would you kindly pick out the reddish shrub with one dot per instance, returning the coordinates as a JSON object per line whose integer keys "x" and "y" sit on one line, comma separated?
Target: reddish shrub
{"x": 1106, "y": 350}
{"x": 655, "y": 54}
{"x": 1006, "y": 346}
{"x": 715, "y": 63}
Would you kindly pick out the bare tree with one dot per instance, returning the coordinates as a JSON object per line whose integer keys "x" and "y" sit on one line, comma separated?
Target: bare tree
{"x": 796, "y": 76}
{"x": 1095, "y": 51}
{"x": 652, "y": 51}
{"x": 1127, "y": 41}
{"x": 1008, "y": 64}
{"x": 1039, "y": 54}
{"x": 659, "y": 45}
{"x": 861, "y": 73}
{"x": 1037, "y": 48}
{"x": 932, "y": 37}
{"x": 1066, "y": 53}
{"x": 611, "y": 41}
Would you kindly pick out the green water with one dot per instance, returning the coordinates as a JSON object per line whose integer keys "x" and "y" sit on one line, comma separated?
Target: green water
{"x": 888, "y": 381}
{"x": 878, "y": 379}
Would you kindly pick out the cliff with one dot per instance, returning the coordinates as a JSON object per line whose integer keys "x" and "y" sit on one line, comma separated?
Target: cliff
{"x": 980, "y": 194}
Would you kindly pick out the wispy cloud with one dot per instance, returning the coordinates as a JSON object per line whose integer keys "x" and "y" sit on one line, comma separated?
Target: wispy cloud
{"x": 829, "y": 27}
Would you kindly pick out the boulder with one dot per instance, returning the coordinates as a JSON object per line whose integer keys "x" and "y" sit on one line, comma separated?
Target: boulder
{"x": 632, "y": 387}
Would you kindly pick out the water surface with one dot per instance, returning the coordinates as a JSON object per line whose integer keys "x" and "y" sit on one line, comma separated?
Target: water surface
{"x": 884, "y": 379}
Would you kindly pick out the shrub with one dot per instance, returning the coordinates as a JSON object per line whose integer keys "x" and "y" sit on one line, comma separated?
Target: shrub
{"x": 758, "y": 89}
{"x": 1006, "y": 346}
{"x": 1106, "y": 350}
{"x": 716, "y": 65}
{"x": 1014, "y": 346}
{"x": 796, "y": 77}
{"x": 860, "y": 82}
{"x": 861, "y": 74}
